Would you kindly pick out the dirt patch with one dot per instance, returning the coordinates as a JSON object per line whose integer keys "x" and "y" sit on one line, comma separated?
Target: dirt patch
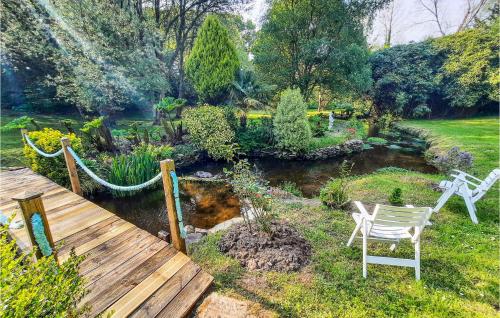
{"x": 284, "y": 249}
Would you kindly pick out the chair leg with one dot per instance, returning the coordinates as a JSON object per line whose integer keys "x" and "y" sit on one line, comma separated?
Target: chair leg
{"x": 417, "y": 259}
{"x": 444, "y": 198}
{"x": 472, "y": 209}
{"x": 365, "y": 247}
{"x": 353, "y": 235}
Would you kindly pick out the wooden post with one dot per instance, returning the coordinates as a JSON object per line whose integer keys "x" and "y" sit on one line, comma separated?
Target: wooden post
{"x": 31, "y": 203}
{"x": 175, "y": 233}
{"x": 71, "y": 165}
{"x": 24, "y": 131}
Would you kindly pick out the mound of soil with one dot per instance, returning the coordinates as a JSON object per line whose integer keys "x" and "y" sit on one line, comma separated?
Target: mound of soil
{"x": 284, "y": 249}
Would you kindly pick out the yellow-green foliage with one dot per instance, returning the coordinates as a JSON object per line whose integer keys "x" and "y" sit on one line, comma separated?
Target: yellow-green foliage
{"x": 291, "y": 127}
{"x": 38, "y": 289}
{"x": 49, "y": 141}
{"x": 209, "y": 130}
{"x": 213, "y": 62}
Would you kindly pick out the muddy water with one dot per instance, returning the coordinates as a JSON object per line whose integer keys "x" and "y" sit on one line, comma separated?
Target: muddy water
{"x": 207, "y": 204}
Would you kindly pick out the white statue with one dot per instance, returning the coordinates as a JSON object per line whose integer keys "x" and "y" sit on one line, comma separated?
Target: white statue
{"x": 330, "y": 121}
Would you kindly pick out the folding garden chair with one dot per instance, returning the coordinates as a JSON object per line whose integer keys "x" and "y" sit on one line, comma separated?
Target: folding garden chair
{"x": 390, "y": 224}
{"x": 470, "y": 188}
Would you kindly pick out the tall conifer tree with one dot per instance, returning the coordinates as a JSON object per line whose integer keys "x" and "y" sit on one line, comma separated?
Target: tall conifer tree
{"x": 213, "y": 62}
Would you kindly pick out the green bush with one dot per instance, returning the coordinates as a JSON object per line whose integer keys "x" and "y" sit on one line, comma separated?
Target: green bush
{"x": 396, "y": 197}
{"x": 38, "y": 289}
{"x": 49, "y": 141}
{"x": 257, "y": 135}
{"x": 213, "y": 62}
{"x": 17, "y": 123}
{"x": 319, "y": 125}
{"x": 291, "y": 127}
{"x": 209, "y": 129}
{"x": 335, "y": 192}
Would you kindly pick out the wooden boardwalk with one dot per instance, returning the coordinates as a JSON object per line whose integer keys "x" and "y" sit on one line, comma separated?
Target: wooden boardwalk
{"x": 127, "y": 270}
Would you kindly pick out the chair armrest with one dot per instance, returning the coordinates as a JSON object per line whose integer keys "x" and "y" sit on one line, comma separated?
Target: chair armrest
{"x": 463, "y": 179}
{"x": 467, "y": 175}
{"x": 363, "y": 210}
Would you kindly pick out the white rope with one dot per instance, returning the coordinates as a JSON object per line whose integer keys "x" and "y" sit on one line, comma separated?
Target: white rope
{"x": 110, "y": 185}
{"x": 48, "y": 155}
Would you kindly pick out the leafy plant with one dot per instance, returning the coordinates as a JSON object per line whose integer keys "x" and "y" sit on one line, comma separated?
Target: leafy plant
{"x": 257, "y": 135}
{"x": 291, "y": 187}
{"x": 133, "y": 169}
{"x": 335, "y": 193}
{"x": 251, "y": 189}
{"x": 98, "y": 135}
{"x": 396, "y": 197}
{"x": 38, "y": 289}
{"x": 291, "y": 127}
{"x": 319, "y": 125}
{"x": 209, "y": 129}
{"x": 164, "y": 108}
{"x": 18, "y": 123}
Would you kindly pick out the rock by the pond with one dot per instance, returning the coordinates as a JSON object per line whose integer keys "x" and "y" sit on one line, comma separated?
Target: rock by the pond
{"x": 201, "y": 231}
{"x": 203, "y": 174}
{"x": 189, "y": 229}
{"x": 218, "y": 306}
{"x": 193, "y": 238}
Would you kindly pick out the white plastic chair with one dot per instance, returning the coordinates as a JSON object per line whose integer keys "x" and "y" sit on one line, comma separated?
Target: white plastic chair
{"x": 470, "y": 188}
{"x": 390, "y": 224}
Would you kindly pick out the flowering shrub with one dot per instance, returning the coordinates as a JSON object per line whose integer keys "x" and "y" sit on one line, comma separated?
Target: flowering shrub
{"x": 335, "y": 193}
{"x": 453, "y": 159}
{"x": 49, "y": 141}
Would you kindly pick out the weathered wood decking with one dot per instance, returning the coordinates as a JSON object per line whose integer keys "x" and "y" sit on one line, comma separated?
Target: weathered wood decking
{"x": 127, "y": 270}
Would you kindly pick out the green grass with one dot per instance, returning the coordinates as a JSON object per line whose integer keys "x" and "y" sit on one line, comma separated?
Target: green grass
{"x": 478, "y": 136}
{"x": 460, "y": 260}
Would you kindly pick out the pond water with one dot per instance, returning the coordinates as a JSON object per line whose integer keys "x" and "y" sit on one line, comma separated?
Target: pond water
{"x": 207, "y": 204}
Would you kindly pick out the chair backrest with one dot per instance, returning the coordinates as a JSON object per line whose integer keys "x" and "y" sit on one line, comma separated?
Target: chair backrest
{"x": 487, "y": 183}
{"x": 401, "y": 216}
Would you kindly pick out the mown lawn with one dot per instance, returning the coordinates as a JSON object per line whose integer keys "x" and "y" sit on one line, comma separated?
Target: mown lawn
{"x": 460, "y": 260}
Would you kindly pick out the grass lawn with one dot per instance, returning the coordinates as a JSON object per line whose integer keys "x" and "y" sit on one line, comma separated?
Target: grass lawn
{"x": 460, "y": 260}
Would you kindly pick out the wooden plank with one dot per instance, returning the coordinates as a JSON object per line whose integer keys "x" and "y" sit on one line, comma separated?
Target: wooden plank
{"x": 163, "y": 296}
{"x": 99, "y": 266}
{"x": 134, "y": 298}
{"x": 186, "y": 299}
{"x": 99, "y": 240}
{"x": 111, "y": 294}
{"x": 124, "y": 269}
{"x": 89, "y": 233}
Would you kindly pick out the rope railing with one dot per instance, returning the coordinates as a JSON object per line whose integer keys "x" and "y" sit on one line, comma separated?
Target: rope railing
{"x": 42, "y": 153}
{"x": 105, "y": 183}
{"x": 175, "y": 184}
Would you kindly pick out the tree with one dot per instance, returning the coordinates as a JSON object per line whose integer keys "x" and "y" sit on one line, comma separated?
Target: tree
{"x": 290, "y": 124}
{"x": 307, "y": 43}
{"x": 405, "y": 79}
{"x": 181, "y": 20}
{"x": 470, "y": 72}
{"x": 213, "y": 62}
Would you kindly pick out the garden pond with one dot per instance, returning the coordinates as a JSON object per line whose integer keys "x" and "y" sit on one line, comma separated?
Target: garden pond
{"x": 206, "y": 204}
